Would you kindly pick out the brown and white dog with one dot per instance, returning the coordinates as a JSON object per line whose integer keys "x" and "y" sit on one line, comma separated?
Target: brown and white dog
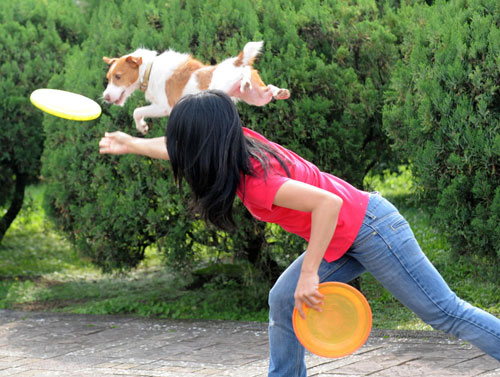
{"x": 165, "y": 78}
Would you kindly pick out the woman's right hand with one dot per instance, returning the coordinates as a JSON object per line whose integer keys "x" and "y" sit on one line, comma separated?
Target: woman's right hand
{"x": 115, "y": 143}
{"x": 121, "y": 143}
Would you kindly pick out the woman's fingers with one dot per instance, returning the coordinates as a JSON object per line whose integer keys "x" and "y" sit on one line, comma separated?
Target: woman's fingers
{"x": 112, "y": 143}
{"x": 313, "y": 300}
{"x": 104, "y": 145}
{"x": 300, "y": 309}
{"x": 307, "y": 292}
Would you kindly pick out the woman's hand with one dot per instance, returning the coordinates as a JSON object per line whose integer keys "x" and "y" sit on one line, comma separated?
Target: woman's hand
{"x": 307, "y": 292}
{"x": 115, "y": 143}
{"x": 122, "y": 143}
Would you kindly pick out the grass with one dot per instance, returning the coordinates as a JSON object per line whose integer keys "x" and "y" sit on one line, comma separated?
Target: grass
{"x": 41, "y": 271}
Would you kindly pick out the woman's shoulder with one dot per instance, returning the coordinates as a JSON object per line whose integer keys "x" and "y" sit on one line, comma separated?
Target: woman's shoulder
{"x": 260, "y": 187}
{"x": 249, "y": 132}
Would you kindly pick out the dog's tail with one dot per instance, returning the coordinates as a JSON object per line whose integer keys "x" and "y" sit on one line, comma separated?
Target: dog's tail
{"x": 249, "y": 53}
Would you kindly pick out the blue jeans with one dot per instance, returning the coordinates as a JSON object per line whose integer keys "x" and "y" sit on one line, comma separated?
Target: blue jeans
{"x": 386, "y": 247}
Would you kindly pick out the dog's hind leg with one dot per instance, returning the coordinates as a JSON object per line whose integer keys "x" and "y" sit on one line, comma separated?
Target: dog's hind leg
{"x": 279, "y": 93}
{"x": 256, "y": 92}
{"x": 246, "y": 81}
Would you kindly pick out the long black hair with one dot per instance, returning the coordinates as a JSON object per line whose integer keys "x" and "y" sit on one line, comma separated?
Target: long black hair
{"x": 208, "y": 149}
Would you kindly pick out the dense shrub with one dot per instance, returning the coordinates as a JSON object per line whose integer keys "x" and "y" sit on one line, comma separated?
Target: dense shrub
{"x": 443, "y": 112}
{"x": 34, "y": 37}
{"x": 335, "y": 58}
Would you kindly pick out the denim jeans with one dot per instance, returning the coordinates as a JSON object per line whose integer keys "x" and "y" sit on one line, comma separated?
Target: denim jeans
{"x": 385, "y": 247}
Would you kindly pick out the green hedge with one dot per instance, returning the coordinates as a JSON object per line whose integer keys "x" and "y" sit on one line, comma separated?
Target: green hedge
{"x": 443, "y": 112}
{"x": 335, "y": 57}
{"x": 34, "y": 37}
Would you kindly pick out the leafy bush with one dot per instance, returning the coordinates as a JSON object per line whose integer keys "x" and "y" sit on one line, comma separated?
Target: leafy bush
{"x": 443, "y": 112}
{"x": 335, "y": 57}
{"x": 33, "y": 38}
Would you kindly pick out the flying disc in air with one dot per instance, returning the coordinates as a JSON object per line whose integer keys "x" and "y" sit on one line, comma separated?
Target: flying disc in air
{"x": 341, "y": 327}
{"x": 65, "y": 104}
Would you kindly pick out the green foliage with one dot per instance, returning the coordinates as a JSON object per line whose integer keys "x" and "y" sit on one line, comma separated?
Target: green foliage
{"x": 43, "y": 272}
{"x": 443, "y": 113}
{"x": 222, "y": 272}
{"x": 31, "y": 247}
{"x": 229, "y": 302}
{"x": 34, "y": 36}
{"x": 335, "y": 57}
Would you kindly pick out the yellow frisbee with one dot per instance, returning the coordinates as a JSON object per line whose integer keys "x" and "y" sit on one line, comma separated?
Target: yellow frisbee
{"x": 342, "y": 326}
{"x": 65, "y": 104}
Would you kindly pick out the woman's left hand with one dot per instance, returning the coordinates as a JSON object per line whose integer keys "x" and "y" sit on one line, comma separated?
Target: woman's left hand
{"x": 307, "y": 293}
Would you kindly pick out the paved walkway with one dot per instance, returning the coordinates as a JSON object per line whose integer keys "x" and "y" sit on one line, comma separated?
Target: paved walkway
{"x": 46, "y": 344}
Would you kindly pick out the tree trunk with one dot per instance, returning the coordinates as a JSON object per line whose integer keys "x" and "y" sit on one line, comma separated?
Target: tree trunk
{"x": 255, "y": 244}
{"x": 356, "y": 283}
{"x": 15, "y": 205}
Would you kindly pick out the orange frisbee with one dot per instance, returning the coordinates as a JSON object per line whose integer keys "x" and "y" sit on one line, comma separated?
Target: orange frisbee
{"x": 342, "y": 326}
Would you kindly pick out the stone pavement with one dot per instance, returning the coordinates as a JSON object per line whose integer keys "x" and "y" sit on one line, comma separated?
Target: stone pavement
{"x": 49, "y": 344}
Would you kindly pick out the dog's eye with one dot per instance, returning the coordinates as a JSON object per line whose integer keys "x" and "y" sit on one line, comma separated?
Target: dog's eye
{"x": 118, "y": 76}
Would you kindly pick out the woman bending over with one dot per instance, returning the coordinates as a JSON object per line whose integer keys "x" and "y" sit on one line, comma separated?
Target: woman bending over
{"x": 349, "y": 231}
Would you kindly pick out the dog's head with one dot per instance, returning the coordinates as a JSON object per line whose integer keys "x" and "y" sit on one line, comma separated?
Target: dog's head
{"x": 123, "y": 78}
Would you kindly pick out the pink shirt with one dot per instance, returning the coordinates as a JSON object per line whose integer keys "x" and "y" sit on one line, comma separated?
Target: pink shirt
{"x": 258, "y": 195}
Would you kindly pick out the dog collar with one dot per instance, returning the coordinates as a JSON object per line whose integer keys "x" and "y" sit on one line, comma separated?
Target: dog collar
{"x": 145, "y": 80}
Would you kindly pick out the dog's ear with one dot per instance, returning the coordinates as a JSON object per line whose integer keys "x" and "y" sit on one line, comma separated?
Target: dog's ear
{"x": 109, "y": 60}
{"x": 134, "y": 61}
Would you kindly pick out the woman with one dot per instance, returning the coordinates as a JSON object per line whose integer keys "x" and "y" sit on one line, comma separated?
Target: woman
{"x": 348, "y": 231}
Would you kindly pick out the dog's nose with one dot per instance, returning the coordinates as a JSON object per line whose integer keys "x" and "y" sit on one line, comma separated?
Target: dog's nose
{"x": 107, "y": 98}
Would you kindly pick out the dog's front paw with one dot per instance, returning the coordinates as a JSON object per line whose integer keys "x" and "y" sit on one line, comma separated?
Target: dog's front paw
{"x": 142, "y": 127}
{"x": 140, "y": 123}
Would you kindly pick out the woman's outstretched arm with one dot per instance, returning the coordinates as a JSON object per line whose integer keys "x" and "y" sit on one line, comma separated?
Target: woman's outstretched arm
{"x": 122, "y": 143}
{"x": 325, "y": 208}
